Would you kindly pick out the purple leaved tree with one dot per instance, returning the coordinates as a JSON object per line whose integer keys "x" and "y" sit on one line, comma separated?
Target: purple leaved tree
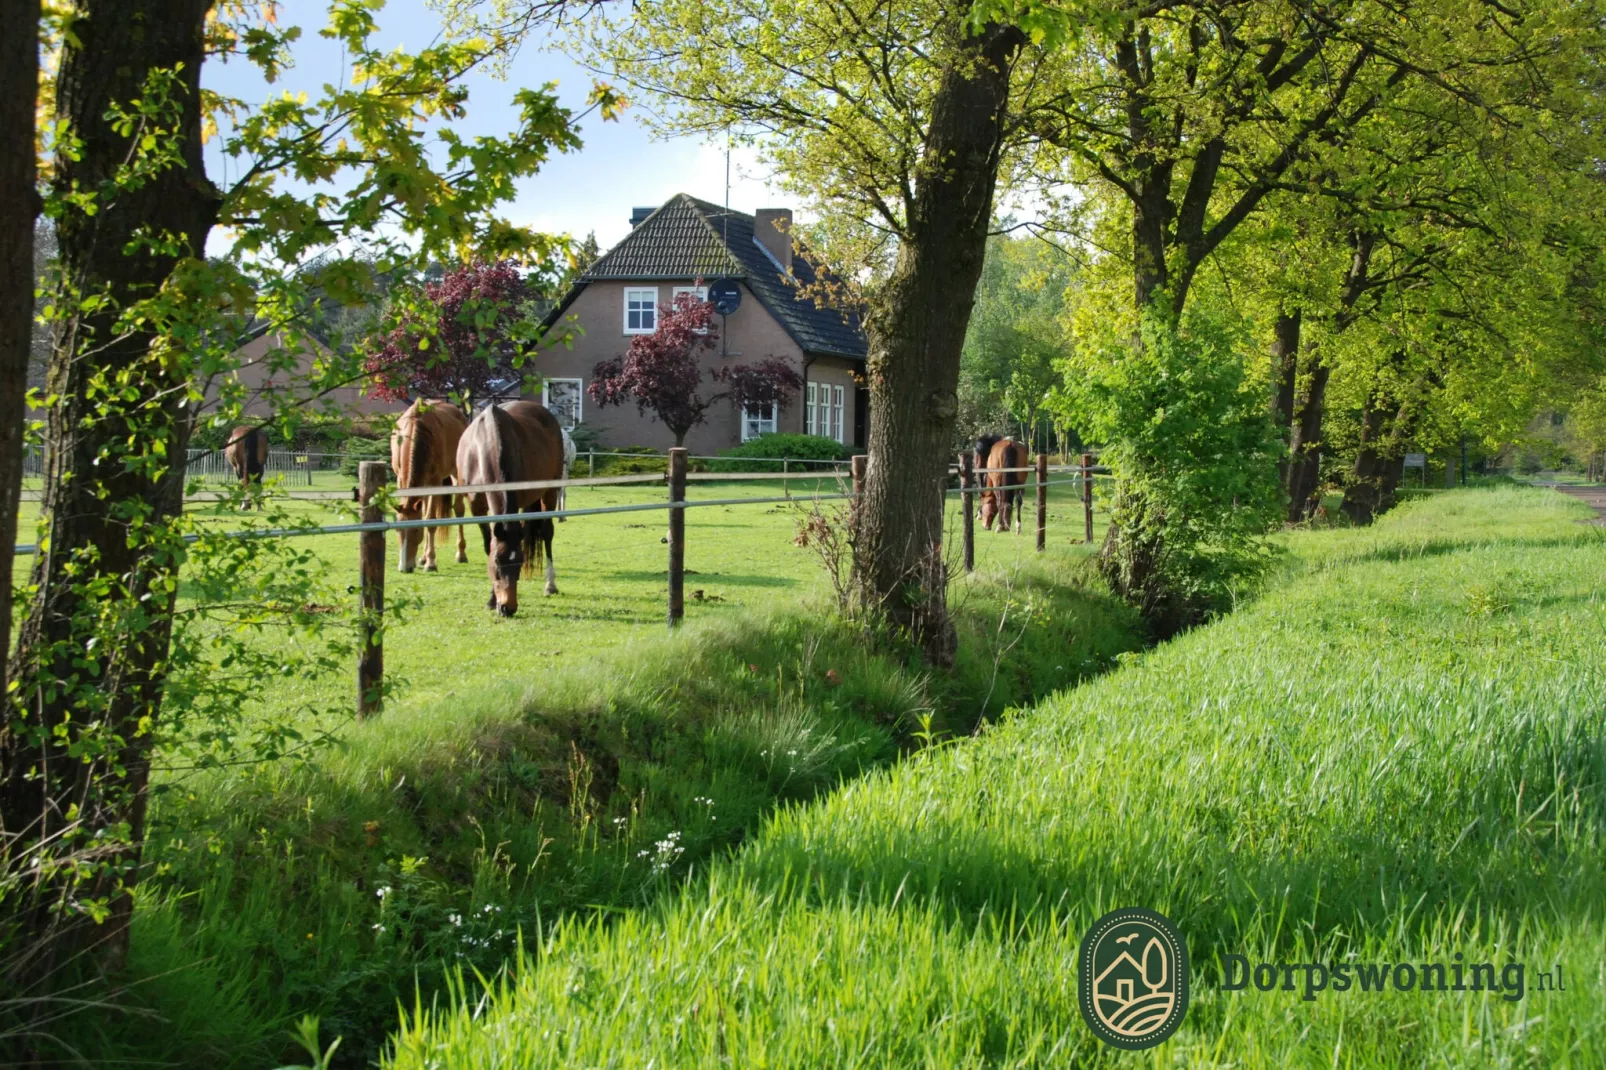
{"x": 662, "y": 372}
{"x": 462, "y": 338}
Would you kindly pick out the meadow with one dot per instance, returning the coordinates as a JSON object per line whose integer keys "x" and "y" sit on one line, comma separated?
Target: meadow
{"x": 1395, "y": 754}
{"x": 575, "y": 760}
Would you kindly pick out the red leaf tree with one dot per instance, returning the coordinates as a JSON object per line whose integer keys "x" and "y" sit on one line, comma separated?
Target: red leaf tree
{"x": 462, "y": 338}
{"x": 662, "y": 372}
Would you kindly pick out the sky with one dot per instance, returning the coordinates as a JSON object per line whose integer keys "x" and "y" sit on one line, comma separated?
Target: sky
{"x": 593, "y": 189}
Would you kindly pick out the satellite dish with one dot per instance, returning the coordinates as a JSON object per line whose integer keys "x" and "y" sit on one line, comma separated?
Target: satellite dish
{"x": 726, "y": 296}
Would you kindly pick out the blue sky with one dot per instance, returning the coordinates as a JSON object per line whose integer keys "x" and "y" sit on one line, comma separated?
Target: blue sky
{"x": 620, "y": 166}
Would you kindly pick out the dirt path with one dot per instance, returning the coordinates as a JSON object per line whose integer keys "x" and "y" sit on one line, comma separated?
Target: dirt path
{"x": 1594, "y": 497}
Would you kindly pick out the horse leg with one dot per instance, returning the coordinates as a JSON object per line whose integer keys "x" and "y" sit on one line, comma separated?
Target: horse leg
{"x": 545, "y": 534}
{"x": 462, "y": 544}
{"x": 433, "y": 511}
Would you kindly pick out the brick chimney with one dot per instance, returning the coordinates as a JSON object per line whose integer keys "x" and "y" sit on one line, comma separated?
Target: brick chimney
{"x": 773, "y": 229}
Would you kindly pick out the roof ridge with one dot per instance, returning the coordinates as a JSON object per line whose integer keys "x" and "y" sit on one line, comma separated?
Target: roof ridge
{"x": 724, "y": 241}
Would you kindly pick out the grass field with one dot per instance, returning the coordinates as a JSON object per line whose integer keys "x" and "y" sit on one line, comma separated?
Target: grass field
{"x": 1397, "y": 754}
{"x": 575, "y": 758}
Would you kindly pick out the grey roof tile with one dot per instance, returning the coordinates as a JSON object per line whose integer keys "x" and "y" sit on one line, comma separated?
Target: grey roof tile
{"x": 688, "y": 238}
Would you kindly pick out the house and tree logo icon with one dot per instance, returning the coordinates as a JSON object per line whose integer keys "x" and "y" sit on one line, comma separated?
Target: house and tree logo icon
{"x": 1132, "y": 978}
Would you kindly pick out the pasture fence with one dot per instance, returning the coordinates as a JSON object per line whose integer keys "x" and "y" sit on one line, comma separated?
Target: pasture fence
{"x": 372, "y": 527}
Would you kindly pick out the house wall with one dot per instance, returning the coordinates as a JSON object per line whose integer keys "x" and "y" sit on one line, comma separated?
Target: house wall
{"x": 255, "y": 373}
{"x": 751, "y": 334}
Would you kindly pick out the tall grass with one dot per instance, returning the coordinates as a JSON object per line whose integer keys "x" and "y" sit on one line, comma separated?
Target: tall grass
{"x": 1396, "y": 754}
{"x": 430, "y": 837}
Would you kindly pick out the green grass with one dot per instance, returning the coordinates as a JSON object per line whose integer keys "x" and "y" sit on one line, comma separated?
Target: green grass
{"x": 1396, "y": 754}
{"x": 576, "y": 758}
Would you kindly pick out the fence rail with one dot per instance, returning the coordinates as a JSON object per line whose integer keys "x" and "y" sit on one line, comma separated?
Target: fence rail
{"x": 371, "y": 529}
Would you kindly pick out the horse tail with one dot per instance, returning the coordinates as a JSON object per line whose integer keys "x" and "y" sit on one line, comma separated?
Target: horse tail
{"x": 420, "y": 432}
{"x": 531, "y": 544}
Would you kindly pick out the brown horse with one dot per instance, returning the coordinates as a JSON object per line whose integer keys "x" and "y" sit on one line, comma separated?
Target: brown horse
{"x": 1004, "y": 492}
{"x": 423, "y": 453}
{"x": 247, "y": 454}
{"x": 514, "y": 442}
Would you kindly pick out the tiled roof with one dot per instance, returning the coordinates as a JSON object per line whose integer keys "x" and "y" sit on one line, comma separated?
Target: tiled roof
{"x": 688, "y": 238}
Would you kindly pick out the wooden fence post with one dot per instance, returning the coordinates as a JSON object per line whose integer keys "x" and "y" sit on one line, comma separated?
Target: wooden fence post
{"x": 1042, "y": 502}
{"x": 858, "y": 466}
{"x": 371, "y": 556}
{"x": 591, "y": 464}
{"x": 1087, "y": 493}
{"x": 967, "y": 501}
{"x": 677, "y": 536}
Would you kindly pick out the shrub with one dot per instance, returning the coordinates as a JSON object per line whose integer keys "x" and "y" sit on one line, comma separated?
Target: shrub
{"x": 1194, "y": 454}
{"x": 789, "y": 447}
{"x": 357, "y": 449}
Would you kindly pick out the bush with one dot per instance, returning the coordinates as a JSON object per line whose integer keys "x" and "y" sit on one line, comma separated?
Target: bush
{"x": 1194, "y": 454}
{"x": 638, "y": 460}
{"x": 789, "y": 447}
{"x": 357, "y": 449}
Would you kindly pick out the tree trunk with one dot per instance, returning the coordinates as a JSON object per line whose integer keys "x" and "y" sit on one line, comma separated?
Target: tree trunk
{"x": 19, "y": 206}
{"x": 1305, "y": 442}
{"x": 1284, "y": 377}
{"x": 1363, "y": 495}
{"x": 916, "y": 327}
{"x": 90, "y": 656}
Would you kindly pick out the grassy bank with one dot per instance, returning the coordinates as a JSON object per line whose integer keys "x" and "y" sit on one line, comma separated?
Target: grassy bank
{"x": 429, "y": 837}
{"x": 1396, "y": 755}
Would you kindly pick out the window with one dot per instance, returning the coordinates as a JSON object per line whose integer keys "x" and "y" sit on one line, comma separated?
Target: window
{"x": 836, "y": 413}
{"x": 701, "y": 293}
{"x": 641, "y": 310}
{"x": 809, "y": 424}
{"x": 758, "y": 420}
{"x": 563, "y": 398}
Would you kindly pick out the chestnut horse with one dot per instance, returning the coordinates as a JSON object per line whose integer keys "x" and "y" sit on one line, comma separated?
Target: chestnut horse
{"x": 247, "y": 454}
{"x": 1003, "y": 492}
{"x": 512, "y": 442}
{"x": 423, "y": 453}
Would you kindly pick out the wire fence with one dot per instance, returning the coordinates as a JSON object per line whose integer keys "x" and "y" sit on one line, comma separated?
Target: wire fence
{"x": 295, "y": 467}
{"x": 1007, "y": 497}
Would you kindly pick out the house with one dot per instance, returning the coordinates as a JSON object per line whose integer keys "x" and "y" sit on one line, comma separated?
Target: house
{"x": 268, "y": 361}
{"x": 668, "y": 250}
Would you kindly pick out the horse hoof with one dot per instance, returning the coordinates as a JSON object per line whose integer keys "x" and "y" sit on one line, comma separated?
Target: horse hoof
{"x": 403, "y": 569}
{"x": 462, "y": 558}
{"x": 431, "y": 567}
{"x": 551, "y": 590}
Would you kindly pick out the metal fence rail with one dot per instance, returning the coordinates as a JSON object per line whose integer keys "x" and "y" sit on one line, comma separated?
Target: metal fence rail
{"x": 372, "y": 477}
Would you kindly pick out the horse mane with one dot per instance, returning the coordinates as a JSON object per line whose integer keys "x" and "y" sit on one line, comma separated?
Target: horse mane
{"x": 420, "y": 432}
{"x": 527, "y": 537}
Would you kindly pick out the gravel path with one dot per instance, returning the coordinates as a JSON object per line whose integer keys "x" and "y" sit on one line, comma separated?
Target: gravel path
{"x": 1594, "y": 497}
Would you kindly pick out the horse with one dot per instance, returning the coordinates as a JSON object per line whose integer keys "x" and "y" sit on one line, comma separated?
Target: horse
{"x": 570, "y": 451}
{"x": 512, "y": 442}
{"x": 247, "y": 454}
{"x": 423, "y": 453}
{"x": 1004, "y": 492}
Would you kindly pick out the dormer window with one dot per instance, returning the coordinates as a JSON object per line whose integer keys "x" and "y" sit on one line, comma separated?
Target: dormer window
{"x": 641, "y": 309}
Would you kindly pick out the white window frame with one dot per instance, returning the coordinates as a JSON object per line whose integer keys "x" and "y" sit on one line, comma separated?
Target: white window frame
{"x": 810, "y": 423}
{"x": 700, "y": 291}
{"x": 837, "y": 410}
{"x": 579, "y": 400}
{"x": 765, "y": 427}
{"x": 634, "y": 293}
